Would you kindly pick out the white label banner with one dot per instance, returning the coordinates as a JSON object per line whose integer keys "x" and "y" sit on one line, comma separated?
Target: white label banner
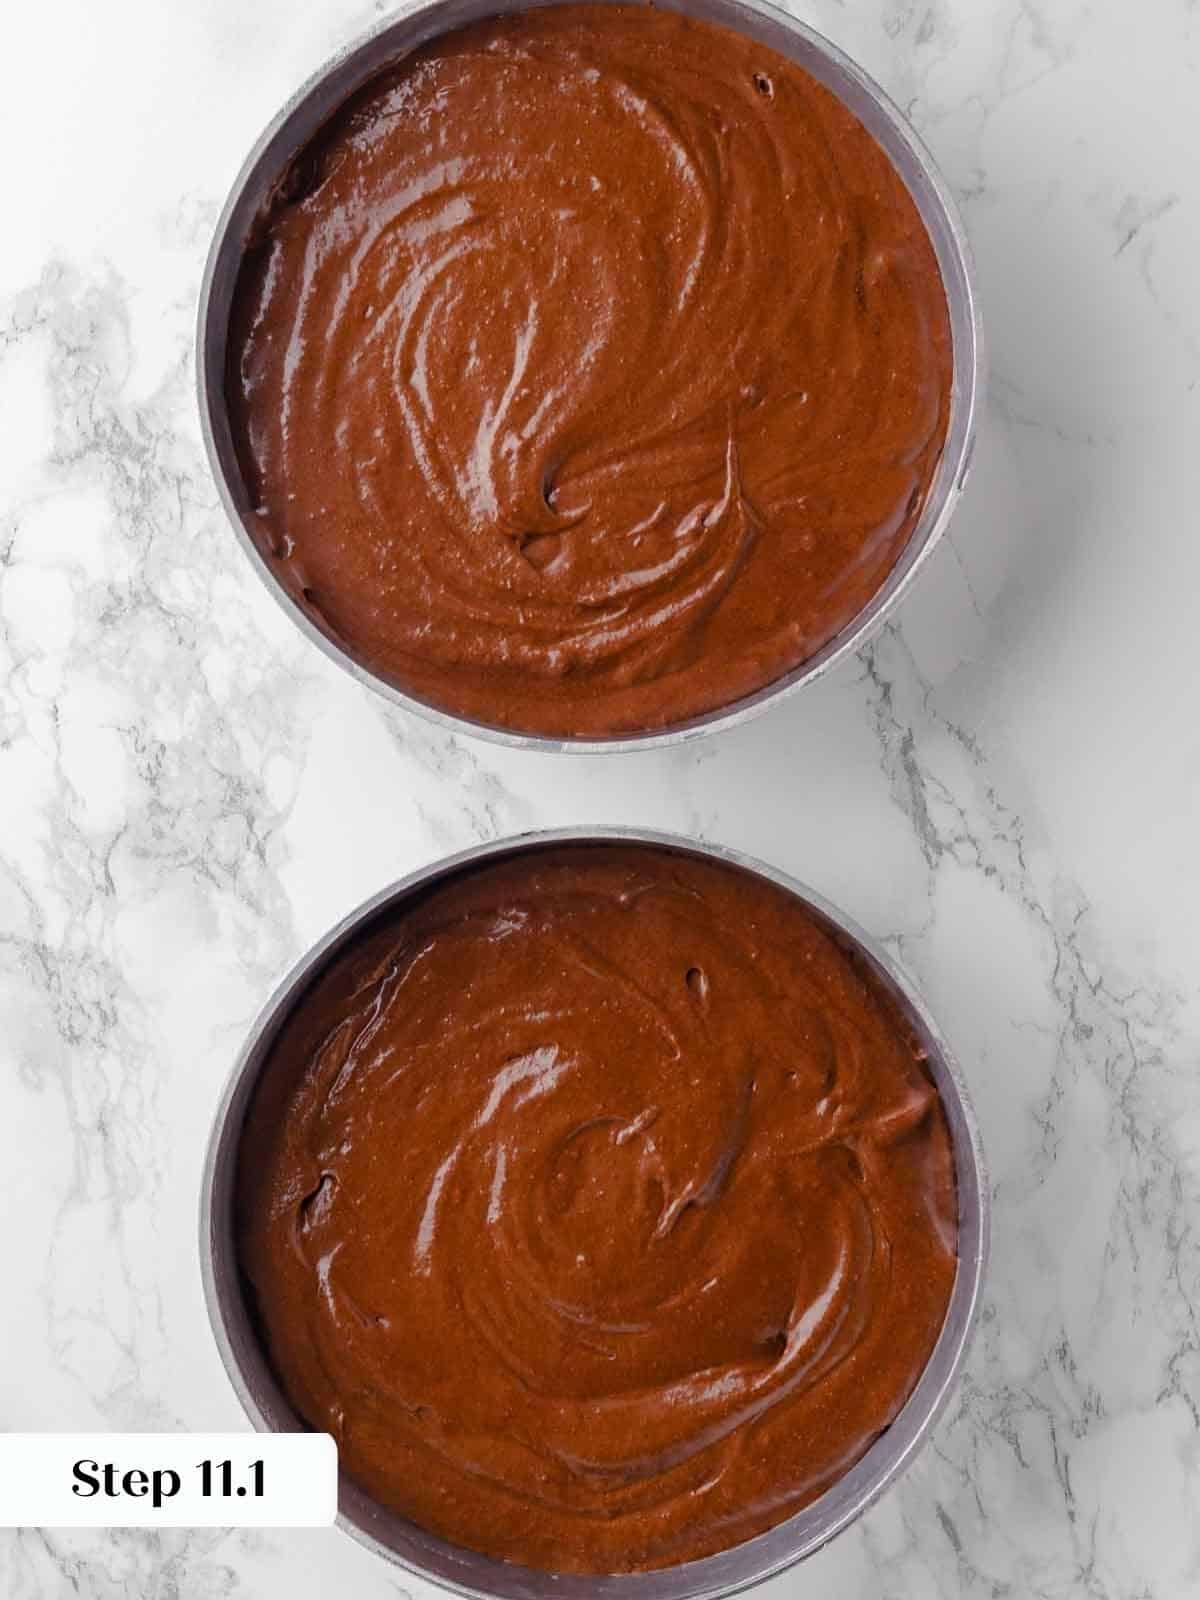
{"x": 167, "y": 1480}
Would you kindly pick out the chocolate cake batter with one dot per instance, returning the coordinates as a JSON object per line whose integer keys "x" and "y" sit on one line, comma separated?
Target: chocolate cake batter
{"x": 589, "y": 370}
{"x": 600, "y": 1206}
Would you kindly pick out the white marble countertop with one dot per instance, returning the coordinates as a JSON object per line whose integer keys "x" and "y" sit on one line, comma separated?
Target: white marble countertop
{"x": 1006, "y": 786}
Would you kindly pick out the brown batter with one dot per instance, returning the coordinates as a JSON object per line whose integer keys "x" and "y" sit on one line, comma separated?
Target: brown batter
{"x": 590, "y": 370}
{"x": 600, "y": 1206}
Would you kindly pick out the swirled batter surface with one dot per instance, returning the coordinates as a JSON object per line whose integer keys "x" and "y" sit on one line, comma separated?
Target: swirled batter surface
{"x": 600, "y": 1206}
{"x": 589, "y": 371}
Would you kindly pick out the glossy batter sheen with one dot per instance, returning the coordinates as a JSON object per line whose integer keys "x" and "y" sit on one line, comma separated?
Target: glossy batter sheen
{"x": 601, "y": 1207}
{"x": 590, "y": 370}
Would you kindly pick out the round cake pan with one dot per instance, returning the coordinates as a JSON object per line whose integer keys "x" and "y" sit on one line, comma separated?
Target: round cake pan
{"x": 462, "y": 1571}
{"x": 315, "y": 102}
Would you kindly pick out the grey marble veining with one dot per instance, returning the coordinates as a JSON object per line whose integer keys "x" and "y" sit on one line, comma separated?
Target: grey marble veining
{"x": 1004, "y": 785}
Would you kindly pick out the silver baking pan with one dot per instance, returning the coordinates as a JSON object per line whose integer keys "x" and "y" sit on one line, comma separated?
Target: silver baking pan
{"x": 462, "y": 1571}
{"x": 309, "y": 108}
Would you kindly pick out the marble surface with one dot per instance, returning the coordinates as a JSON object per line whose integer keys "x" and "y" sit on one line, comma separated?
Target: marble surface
{"x": 1004, "y": 785}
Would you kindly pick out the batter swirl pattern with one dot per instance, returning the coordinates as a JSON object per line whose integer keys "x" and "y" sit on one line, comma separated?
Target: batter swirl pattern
{"x": 590, "y": 370}
{"x": 601, "y": 1207}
